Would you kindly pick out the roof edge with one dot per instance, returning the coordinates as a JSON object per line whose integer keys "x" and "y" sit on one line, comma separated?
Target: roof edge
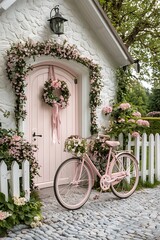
{"x": 113, "y": 31}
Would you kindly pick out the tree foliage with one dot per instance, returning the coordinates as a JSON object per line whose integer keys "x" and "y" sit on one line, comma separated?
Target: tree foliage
{"x": 139, "y": 96}
{"x": 137, "y": 23}
{"x": 130, "y": 90}
{"x": 154, "y": 103}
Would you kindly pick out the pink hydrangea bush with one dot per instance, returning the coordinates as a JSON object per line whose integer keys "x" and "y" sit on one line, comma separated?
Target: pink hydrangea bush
{"x": 126, "y": 119}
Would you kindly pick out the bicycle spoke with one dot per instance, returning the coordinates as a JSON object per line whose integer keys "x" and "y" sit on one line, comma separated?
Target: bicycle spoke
{"x": 125, "y": 186}
{"x": 77, "y": 187}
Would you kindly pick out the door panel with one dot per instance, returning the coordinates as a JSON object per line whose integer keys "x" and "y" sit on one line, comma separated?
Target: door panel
{"x": 50, "y": 155}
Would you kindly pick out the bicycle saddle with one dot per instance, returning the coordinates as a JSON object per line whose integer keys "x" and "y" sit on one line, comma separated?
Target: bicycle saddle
{"x": 113, "y": 143}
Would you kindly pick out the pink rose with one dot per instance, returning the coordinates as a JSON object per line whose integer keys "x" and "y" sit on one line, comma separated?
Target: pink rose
{"x": 16, "y": 138}
{"x": 107, "y": 110}
{"x": 56, "y": 84}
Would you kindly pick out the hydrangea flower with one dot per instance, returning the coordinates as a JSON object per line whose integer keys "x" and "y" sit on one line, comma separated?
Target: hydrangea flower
{"x": 124, "y": 106}
{"x": 135, "y": 134}
{"x": 142, "y": 122}
{"x": 4, "y": 215}
{"x": 19, "y": 201}
{"x": 136, "y": 114}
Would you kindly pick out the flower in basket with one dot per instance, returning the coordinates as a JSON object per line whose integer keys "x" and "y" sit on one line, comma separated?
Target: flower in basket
{"x": 76, "y": 145}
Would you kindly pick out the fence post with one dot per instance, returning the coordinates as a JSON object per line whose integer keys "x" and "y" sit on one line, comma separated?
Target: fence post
{"x": 26, "y": 179}
{"x": 137, "y": 148}
{"x": 15, "y": 186}
{"x": 157, "y": 156}
{"x": 151, "y": 159}
{"x": 3, "y": 179}
{"x": 128, "y": 147}
{"x": 144, "y": 157}
{"x": 120, "y": 139}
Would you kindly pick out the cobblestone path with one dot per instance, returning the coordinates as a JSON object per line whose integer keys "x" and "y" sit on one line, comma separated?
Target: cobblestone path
{"x": 108, "y": 218}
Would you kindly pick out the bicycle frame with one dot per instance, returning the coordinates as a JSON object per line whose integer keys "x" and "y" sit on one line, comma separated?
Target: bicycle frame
{"x": 115, "y": 176}
{"x": 93, "y": 167}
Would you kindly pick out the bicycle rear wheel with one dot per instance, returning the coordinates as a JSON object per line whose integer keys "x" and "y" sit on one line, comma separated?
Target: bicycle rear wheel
{"x": 124, "y": 163}
{"x": 72, "y": 183}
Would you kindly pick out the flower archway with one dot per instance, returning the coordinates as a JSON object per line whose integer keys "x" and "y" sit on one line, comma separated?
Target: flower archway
{"x": 17, "y": 70}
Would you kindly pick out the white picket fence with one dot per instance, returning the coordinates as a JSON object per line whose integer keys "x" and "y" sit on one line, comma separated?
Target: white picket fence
{"x": 10, "y": 180}
{"x": 147, "y": 151}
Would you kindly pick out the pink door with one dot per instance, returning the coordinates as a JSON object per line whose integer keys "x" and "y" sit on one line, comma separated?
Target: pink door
{"x": 50, "y": 155}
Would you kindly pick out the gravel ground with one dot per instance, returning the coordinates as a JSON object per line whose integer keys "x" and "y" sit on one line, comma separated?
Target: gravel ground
{"x": 108, "y": 218}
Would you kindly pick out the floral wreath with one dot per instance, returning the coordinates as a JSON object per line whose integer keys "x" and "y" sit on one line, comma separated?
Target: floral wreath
{"x": 49, "y": 95}
{"x": 17, "y": 70}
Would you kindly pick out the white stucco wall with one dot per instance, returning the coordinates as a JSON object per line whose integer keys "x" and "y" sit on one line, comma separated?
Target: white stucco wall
{"x": 28, "y": 19}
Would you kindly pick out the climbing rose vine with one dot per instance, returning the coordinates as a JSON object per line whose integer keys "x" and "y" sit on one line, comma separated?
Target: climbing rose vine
{"x": 17, "y": 70}
{"x": 14, "y": 148}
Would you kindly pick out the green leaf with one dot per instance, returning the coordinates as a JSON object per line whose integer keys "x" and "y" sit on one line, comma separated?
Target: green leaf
{"x": 10, "y": 206}
{"x": 2, "y": 198}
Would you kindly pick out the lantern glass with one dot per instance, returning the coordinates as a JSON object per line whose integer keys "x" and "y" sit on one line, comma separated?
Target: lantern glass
{"x": 57, "y": 26}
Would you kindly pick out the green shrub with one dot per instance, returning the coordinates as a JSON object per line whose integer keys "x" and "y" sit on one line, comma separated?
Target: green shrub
{"x": 18, "y": 210}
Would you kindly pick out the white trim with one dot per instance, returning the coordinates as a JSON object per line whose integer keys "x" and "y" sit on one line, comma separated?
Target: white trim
{"x": 85, "y": 117}
{"x": 5, "y": 4}
{"x": 109, "y": 31}
{"x": 103, "y": 30}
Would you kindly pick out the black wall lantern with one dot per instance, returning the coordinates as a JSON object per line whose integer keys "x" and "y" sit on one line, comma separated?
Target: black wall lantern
{"x": 57, "y": 21}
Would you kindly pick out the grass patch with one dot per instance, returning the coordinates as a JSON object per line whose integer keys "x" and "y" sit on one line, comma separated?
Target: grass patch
{"x": 147, "y": 184}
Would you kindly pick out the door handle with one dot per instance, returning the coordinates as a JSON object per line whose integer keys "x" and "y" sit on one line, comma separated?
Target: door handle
{"x": 36, "y": 135}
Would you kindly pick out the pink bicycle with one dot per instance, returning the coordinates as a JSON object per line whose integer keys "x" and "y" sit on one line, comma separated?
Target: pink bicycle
{"x": 75, "y": 177}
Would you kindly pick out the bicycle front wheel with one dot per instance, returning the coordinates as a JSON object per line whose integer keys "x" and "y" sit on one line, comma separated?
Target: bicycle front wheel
{"x": 72, "y": 183}
{"x": 124, "y": 163}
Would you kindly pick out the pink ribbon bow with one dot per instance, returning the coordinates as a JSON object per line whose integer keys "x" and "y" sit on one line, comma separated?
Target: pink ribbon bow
{"x": 56, "y": 123}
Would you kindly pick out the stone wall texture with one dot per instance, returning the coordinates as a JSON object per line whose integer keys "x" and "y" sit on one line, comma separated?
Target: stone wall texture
{"x": 28, "y": 19}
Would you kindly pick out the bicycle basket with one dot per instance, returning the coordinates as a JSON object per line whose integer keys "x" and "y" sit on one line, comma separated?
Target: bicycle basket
{"x": 76, "y": 145}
